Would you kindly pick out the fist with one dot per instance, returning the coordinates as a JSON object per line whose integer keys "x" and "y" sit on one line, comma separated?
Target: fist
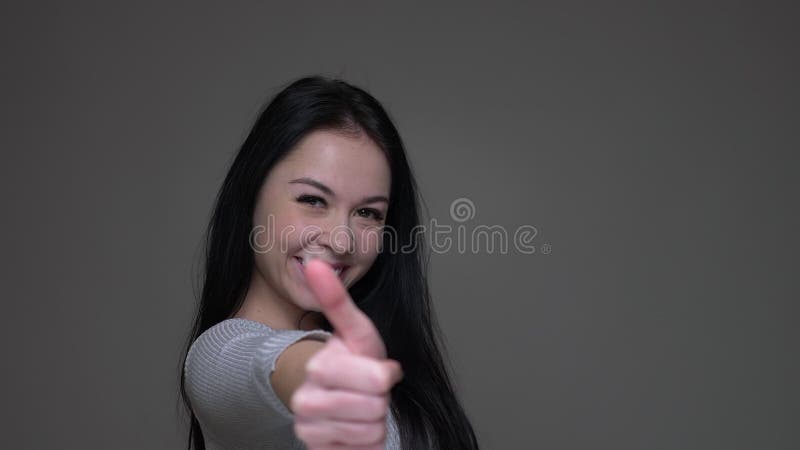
{"x": 344, "y": 399}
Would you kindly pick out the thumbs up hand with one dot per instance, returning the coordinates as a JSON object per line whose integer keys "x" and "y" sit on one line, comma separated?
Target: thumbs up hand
{"x": 344, "y": 400}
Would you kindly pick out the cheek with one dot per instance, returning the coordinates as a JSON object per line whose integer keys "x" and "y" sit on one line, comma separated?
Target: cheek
{"x": 368, "y": 245}
{"x": 267, "y": 263}
{"x": 288, "y": 232}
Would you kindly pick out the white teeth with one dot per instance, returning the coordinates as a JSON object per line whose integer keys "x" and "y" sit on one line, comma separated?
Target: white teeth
{"x": 304, "y": 261}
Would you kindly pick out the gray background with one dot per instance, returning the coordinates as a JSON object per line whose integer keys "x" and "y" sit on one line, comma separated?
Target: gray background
{"x": 654, "y": 147}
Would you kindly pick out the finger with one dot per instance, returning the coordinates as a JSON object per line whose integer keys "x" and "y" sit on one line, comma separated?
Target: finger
{"x": 355, "y": 328}
{"x": 354, "y": 372}
{"x": 336, "y": 432}
{"x": 380, "y": 446}
{"x": 321, "y": 403}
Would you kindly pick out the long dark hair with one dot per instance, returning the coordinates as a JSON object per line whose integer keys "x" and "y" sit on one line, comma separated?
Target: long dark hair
{"x": 393, "y": 293}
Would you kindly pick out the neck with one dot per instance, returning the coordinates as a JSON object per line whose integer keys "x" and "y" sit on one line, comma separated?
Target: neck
{"x": 262, "y": 305}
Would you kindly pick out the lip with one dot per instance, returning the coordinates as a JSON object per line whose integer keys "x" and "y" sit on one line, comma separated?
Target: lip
{"x": 301, "y": 269}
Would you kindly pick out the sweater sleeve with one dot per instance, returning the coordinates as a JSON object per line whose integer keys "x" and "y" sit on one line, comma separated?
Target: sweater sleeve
{"x": 228, "y": 382}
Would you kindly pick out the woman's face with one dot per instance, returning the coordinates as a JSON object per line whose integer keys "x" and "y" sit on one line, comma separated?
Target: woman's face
{"x": 326, "y": 199}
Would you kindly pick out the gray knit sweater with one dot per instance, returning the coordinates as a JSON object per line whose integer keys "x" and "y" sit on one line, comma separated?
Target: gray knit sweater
{"x": 227, "y": 373}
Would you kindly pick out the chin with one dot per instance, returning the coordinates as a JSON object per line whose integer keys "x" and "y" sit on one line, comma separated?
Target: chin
{"x": 306, "y": 301}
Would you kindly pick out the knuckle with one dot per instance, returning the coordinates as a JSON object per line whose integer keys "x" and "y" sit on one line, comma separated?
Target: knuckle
{"x": 317, "y": 405}
{"x": 376, "y": 434}
{"x": 397, "y": 369}
{"x": 317, "y": 367}
{"x": 382, "y": 379}
{"x": 324, "y": 358}
{"x": 305, "y": 403}
{"x": 314, "y": 365}
{"x": 310, "y": 432}
{"x": 297, "y": 401}
{"x": 363, "y": 433}
{"x": 384, "y": 403}
{"x": 378, "y": 407}
{"x": 301, "y": 430}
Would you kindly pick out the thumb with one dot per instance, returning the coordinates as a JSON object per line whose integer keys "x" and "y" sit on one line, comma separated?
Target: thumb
{"x": 351, "y": 324}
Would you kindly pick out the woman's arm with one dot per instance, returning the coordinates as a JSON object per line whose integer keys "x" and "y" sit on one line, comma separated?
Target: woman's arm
{"x": 290, "y": 368}
{"x": 228, "y": 380}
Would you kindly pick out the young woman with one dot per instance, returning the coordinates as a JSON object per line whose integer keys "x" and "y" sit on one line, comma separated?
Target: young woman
{"x": 316, "y": 215}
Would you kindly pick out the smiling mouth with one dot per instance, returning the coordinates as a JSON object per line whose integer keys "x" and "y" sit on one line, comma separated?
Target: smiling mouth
{"x": 339, "y": 269}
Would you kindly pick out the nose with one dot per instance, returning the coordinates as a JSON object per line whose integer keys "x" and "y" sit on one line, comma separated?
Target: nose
{"x": 338, "y": 236}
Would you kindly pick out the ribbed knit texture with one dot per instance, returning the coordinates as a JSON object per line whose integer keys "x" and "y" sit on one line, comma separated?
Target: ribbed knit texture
{"x": 228, "y": 371}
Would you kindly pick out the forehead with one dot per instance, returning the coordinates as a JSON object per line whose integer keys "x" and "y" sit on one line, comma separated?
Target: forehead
{"x": 349, "y": 164}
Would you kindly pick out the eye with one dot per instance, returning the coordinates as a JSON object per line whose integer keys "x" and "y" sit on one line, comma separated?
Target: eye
{"x": 369, "y": 212}
{"x": 311, "y": 200}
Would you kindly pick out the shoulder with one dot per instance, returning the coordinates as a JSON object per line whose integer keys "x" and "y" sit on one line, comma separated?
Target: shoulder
{"x": 239, "y": 338}
{"x": 231, "y": 330}
{"x": 228, "y": 366}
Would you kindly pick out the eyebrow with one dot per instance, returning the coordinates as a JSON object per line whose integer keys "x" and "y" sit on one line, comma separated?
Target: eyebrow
{"x": 329, "y": 191}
